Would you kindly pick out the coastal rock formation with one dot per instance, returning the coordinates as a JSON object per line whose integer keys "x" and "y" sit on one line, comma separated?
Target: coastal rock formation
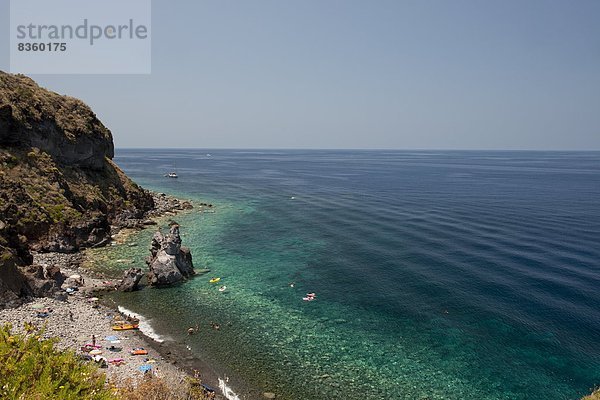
{"x": 131, "y": 279}
{"x": 164, "y": 203}
{"x": 13, "y": 285}
{"x": 58, "y": 185}
{"x": 170, "y": 262}
{"x": 41, "y": 285}
{"x": 18, "y": 281}
{"x": 59, "y": 188}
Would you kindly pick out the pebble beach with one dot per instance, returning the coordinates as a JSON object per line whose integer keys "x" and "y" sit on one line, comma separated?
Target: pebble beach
{"x": 77, "y": 320}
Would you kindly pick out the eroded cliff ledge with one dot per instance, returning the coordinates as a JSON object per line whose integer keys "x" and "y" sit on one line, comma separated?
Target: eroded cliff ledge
{"x": 59, "y": 188}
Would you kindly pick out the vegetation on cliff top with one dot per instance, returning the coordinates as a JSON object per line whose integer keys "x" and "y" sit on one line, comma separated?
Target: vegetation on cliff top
{"x": 56, "y": 172}
{"x": 31, "y": 105}
{"x": 59, "y": 188}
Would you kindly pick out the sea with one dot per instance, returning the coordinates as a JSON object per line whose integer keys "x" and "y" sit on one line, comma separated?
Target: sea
{"x": 436, "y": 274}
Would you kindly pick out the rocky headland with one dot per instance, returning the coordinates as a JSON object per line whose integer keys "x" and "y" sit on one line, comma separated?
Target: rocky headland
{"x": 60, "y": 191}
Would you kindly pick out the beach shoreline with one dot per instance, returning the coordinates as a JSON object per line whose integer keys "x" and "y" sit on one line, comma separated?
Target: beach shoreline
{"x": 76, "y": 320}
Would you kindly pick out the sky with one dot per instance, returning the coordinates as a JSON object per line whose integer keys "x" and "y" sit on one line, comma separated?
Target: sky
{"x": 379, "y": 74}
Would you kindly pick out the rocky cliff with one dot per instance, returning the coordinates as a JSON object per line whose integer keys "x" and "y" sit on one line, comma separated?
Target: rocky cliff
{"x": 59, "y": 188}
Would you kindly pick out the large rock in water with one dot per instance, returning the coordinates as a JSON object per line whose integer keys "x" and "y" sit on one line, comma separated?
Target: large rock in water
{"x": 131, "y": 279}
{"x": 170, "y": 262}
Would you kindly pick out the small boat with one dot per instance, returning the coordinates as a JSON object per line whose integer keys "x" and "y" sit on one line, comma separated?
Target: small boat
{"x": 222, "y": 288}
{"x": 125, "y": 327}
{"x": 139, "y": 351}
{"x": 173, "y": 173}
{"x": 215, "y": 280}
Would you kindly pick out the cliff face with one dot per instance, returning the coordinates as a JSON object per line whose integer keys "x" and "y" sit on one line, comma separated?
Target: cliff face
{"x": 31, "y": 117}
{"x": 59, "y": 189}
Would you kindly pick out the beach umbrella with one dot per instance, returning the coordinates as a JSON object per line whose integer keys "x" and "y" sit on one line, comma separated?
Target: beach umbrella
{"x": 111, "y": 338}
{"x": 145, "y": 367}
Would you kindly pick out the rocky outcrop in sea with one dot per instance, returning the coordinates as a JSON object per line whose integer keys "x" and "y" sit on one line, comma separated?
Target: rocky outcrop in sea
{"x": 170, "y": 262}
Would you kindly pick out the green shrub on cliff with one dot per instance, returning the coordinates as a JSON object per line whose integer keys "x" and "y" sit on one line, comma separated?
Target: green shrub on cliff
{"x": 31, "y": 368}
{"x": 59, "y": 188}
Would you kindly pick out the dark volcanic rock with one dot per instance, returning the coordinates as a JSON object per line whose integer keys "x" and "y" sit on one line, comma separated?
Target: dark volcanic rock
{"x": 13, "y": 284}
{"x": 170, "y": 262}
{"x": 59, "y": 188}
{"x": 131, "y": 279}
{"x": 38, "y": 284}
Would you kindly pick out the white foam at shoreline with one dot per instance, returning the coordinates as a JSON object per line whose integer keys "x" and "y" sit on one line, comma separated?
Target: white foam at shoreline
{"x": 227, "y": 391}
{"x": 147, "y": 330}
{"x": 145, "y": 326}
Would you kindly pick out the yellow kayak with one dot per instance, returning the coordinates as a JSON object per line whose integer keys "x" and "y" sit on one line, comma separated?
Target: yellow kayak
{"x": 125, "y": 327}
{"x": 215, "y": 280}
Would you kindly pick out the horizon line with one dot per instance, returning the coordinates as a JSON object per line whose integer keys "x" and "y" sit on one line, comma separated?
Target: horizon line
{"x": 352, "y": 149}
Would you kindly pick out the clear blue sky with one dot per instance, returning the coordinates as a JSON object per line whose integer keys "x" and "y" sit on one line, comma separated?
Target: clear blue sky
{"x": 356, "y": 74}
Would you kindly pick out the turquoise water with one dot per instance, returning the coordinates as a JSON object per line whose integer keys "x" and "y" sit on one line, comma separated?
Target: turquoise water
{"x": 450, "y": 275}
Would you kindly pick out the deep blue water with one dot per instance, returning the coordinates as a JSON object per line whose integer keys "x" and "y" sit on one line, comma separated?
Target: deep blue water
{"x": 439, "y": 275}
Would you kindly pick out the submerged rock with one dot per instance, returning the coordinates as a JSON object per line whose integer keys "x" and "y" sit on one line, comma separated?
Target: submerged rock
{"x": 170, "y": 262}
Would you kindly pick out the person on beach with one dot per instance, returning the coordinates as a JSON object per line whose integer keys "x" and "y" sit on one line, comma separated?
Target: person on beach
{"x": 94, "y": 340}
